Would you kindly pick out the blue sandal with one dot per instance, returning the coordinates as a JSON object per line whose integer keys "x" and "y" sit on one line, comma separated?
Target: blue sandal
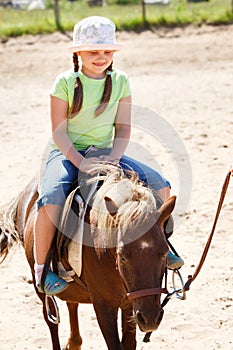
{"x": 174, "y": 261}
{"x": 53, "y": 284}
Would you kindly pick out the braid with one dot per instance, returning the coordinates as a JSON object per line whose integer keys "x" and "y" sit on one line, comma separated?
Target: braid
{"x": 78, "y": 89}
{"x": 106, "y": 94}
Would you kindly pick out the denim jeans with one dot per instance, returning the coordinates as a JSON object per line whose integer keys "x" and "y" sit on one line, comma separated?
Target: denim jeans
{"x": 60, "y": 174}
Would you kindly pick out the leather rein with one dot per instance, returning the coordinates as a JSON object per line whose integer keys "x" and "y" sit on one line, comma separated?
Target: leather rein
{"x": 153, "y": 291}
{"x": 191, "y": 278}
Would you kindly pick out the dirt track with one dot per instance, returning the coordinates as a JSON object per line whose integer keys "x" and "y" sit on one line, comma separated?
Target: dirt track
{"x": 186, "y": 76}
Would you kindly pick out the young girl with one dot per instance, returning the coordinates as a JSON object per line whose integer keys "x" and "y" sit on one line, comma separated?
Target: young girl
{"x": 90, "y": 109}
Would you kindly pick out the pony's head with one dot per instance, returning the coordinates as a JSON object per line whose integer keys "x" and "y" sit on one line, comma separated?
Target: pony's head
{"x": 125, "y": 216}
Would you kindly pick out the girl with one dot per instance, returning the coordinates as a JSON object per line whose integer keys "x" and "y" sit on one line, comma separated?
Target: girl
{"x": 88, "y": 106}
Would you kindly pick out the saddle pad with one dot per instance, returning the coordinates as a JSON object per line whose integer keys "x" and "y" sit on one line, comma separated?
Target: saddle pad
{"x": 74, "y": 249}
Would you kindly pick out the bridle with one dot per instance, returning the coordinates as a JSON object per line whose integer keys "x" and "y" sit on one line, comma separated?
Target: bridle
{"x": 181, "y": 292}
{"x": 146, "y": 292}
{"x": 186, "y": 286}
{"x": 149, "y": 291}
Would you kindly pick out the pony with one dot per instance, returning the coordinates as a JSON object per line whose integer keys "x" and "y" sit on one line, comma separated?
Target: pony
{"x": 123, "y": 263}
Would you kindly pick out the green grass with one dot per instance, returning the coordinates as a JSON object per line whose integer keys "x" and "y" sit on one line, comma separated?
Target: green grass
{"x": 127, "y": 17}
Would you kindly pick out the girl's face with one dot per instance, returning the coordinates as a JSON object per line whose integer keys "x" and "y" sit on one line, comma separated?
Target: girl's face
{"x": 95, "y": 63}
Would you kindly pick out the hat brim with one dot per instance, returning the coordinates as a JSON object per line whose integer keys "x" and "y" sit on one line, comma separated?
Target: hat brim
{"x": 95, "y": 47}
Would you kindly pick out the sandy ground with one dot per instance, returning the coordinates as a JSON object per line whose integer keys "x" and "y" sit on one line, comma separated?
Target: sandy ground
{"x": 186, "y": 77}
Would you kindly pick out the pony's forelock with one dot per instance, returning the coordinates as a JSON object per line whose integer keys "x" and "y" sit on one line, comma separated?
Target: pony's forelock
{"x": 135, "y": 203}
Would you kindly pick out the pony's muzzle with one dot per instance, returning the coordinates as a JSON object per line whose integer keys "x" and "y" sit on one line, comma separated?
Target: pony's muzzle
{"x": 149, "y": 322}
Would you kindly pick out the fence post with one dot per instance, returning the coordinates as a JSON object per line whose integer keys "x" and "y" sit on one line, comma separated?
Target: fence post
{"x": 57, "y": 14}
{"x": 144, "y": 12}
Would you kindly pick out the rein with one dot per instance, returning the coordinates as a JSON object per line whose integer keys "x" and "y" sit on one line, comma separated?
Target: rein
{"x": 191, "y": 278}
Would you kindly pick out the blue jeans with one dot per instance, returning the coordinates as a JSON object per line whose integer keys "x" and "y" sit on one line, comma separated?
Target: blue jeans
{"x": 60, "y": 174}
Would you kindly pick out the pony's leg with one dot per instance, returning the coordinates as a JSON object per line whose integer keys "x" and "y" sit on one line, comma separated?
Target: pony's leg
{"x": 75, "y": 340}
{"x": 53, "y": 328}
{"x": 128, "y": 329}
{"x": 107, "y": 318}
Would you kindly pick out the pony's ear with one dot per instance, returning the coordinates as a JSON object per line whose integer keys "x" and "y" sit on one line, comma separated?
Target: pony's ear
{"x": 111, "y": 206}
{"x": 166, "y": 209}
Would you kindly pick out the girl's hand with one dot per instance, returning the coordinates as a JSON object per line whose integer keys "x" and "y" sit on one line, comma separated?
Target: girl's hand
{"x": 88, "y": 165}
{"x": 110, "y": 159}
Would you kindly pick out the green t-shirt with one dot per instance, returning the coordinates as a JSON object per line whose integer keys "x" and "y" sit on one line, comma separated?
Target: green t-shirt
{"x": 85, "y": 129}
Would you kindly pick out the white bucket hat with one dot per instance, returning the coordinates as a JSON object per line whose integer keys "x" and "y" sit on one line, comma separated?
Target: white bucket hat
{"x": 94, "y": 33}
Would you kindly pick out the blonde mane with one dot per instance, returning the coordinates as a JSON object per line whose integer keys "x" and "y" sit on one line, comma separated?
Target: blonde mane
{"x": 135, "y": 202}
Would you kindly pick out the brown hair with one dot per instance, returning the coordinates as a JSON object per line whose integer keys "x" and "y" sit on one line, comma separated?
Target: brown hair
{"x": 78, "y": 90}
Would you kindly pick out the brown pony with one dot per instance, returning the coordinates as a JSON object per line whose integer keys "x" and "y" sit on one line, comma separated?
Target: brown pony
{"x": 124, "y": 266}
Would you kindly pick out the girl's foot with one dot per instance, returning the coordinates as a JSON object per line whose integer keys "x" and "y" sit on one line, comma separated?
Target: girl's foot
{"x": 53, "y": 284}
{"x": 174, "y": 261}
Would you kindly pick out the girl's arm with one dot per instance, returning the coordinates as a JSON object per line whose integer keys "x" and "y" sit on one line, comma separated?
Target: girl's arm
{"x": 58, "y": 114}
{"x": 122, "y": 128}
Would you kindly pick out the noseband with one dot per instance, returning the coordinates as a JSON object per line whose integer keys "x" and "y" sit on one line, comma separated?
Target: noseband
{"x": 180, "y": 293}
{"x": 146, "y": 292}
{"x": 150, "y": 291}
